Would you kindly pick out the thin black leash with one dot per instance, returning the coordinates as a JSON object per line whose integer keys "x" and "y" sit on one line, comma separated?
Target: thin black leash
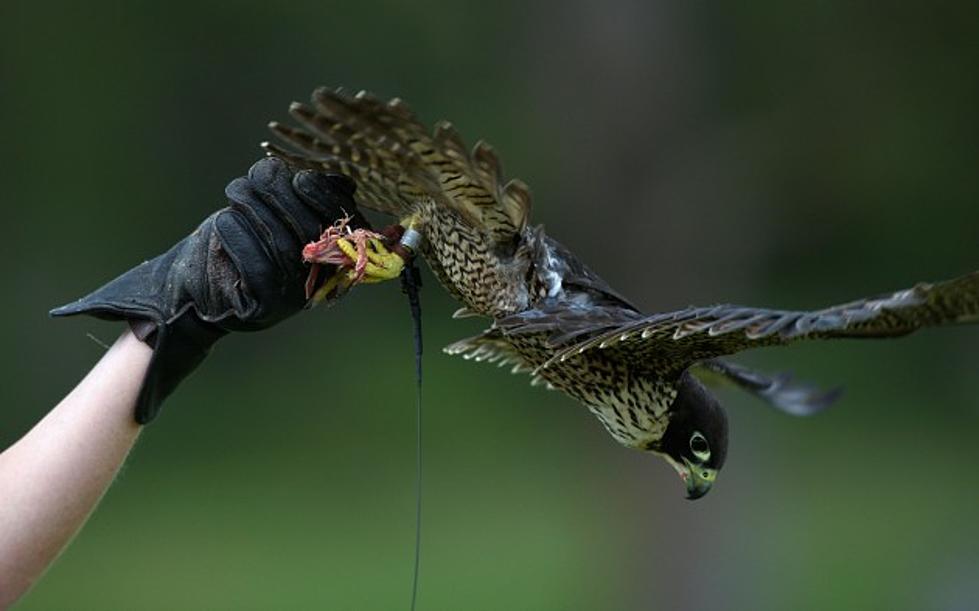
{"x": 410, "y": 283}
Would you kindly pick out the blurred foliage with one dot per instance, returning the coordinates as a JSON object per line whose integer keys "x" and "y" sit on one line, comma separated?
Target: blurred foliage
{"x": 792, "y": 154}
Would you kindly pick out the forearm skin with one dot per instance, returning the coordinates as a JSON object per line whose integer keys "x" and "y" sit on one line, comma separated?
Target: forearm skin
{"x": 53, "y": 477}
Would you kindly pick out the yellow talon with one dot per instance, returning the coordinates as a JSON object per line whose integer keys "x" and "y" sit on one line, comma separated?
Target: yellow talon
{"x": 375, "y": 255}
{"x": 348, "y": 249}
{"x": 412, "y": 222}
{"x": 384, "y": 264}
{"x": 380, "y": 264}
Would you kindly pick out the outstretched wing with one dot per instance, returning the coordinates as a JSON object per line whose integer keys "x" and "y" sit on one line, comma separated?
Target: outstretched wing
{"x": 491, "y": 347}
{"x": 778, "y": 390}
{"x": 396, "y": 163}
{"x": 671, "y": 342}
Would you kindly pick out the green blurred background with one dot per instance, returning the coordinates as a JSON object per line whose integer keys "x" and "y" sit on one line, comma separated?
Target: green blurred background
{"x": 767, "y": 153}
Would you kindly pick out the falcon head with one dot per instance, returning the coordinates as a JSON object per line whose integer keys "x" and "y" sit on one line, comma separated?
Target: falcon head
{"x": 695, "y": 441}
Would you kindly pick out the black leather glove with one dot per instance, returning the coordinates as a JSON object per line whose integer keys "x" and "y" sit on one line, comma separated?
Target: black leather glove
{"x": 240, "y": 270}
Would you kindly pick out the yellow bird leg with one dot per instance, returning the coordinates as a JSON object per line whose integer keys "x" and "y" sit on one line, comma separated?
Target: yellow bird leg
{"x": 327, "y": 288}
{"x": 411, "y": 222}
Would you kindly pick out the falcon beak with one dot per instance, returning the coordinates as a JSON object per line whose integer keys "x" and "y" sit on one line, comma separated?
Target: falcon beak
{"x": 697, "y": 478}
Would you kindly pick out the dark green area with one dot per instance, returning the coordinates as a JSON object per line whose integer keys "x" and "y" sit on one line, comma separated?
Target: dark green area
{"x": 756, "y": 152}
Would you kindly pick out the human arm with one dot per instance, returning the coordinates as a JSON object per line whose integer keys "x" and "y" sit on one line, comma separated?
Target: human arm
{"x": 240, "y": 270}
{"x": 53, "y": 477}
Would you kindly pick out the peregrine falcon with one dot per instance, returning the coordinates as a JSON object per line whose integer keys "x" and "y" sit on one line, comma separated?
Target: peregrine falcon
{"x": 553, "y": 317}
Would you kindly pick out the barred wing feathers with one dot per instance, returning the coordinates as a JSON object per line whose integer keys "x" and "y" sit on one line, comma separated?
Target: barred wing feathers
{"x": 396, "y": 163}
{"x": 672, "y": 341}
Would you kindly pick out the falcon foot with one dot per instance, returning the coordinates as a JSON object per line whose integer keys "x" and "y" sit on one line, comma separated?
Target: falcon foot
{"x": 361, "y": 256}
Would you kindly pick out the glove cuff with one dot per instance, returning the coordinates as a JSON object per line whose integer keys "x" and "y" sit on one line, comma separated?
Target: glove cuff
{"x": 179, "y": 346}
{"x": 142, "y": 329}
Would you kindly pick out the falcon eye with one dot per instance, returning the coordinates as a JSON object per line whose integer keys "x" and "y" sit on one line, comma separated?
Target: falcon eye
{"x": 699, "y": 446}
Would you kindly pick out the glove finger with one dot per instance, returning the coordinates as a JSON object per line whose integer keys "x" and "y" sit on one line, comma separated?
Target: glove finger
{"x": 247, "y": 249}
{"x": 330, "y": 195}
{"x": 271, "y": 178}
{"x": 278, "y": 243}
{"x": 271, "y": 291}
